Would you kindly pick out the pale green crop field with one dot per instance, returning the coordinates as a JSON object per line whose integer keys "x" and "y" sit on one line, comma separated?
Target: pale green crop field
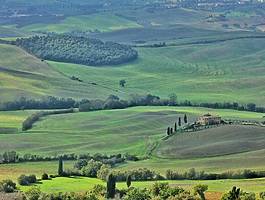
{"x": 94, "y": 22}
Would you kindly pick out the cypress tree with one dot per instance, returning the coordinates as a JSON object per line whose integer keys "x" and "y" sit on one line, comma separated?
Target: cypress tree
{"x": 179, "y": 121}
{"x": 129, "y": 181}
{"x": 168, "y": 130}
{"x": 185, "y": 119}
{"x": 60, "y": 167}
{"x": 111, "y": 185}
{"x": 171, "y": 131}
{"x": 175, "y": 127}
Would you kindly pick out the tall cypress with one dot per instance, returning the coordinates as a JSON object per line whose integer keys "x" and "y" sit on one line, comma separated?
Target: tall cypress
{"x": 175, "y": 128}
{"x": 60, "y": 167}
{"x": 168, "y": 130}
{"x": 111, "y": 186}
{"x": 179, "y": 121}
{"x": 185, "y": 119}
{"x": 129, "y": 181}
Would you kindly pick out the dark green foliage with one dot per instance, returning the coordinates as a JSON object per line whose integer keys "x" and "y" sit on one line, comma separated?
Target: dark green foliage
{"x": 111, "y": 186}
{"x": 7, "y": 186}
{"x": 171, "y": 131}
{"x": 141, "y": 174}
{"x": 9, "y": 157}
{"x": 172, "y": 100}
{"x": 200, "y": 190}
{"x": 103, "y": 172}
{"x": 137, "y": 194}
{"x": 185, "y": 119}
{"x": 179, "y": 122}
{"x": 192, "y": 174}
{"x": 45, "y": 176}
{"x": 164, "y": 191}
{"x": 237, "y": 194}
{"x": 26, "y": 180}
{"x": 80, "y": 164}
{"x": 168, "y": 130}
{"x": 122, "y": 83}
{"x": 45, "y": 103}
{"x": 129, "y": 181}
{"x": 60, "y": 167}
{"x": 92, "y": 168}
{"x": 79, "y": 50}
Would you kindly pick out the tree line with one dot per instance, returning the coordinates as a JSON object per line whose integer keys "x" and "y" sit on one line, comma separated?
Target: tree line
{"x": 14, "y": 157}
{"x": 28, "y": 123}
{"x": 100, "y": 169}
{"x": 79, "y": 50}
{"x": 114, "y": 102}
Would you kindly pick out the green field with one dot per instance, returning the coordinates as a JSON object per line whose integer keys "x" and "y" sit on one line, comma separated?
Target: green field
{"x": 222, "y": 72}
{"x": 95, "y": 22}
{"x": 79, "y": 184}
{"x": 136, "y": 130}
{"x": 139, "y": 131}
{"x": 227, "y": 71}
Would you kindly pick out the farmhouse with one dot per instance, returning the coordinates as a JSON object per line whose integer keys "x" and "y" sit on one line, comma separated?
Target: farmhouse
{"x": 209, "y": 119}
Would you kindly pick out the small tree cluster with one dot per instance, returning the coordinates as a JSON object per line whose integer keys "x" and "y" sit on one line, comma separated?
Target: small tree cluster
{"x": 170, "y": 130}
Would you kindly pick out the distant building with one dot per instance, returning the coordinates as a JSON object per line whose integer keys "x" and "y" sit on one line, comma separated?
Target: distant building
{"x": 209, "y": 119}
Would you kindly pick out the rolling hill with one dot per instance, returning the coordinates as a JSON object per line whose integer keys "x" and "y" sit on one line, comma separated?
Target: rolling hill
{"x": 217, "y": 142}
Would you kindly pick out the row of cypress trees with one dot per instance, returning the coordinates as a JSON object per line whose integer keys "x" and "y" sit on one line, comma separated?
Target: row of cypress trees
{"x": 171, "y": 130}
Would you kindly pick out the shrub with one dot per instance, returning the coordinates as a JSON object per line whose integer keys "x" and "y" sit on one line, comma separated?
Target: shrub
{"x": 200, "y": 190}
{"x": 32, "y": 178}
{"x": 23, "y": 180}
{"x": 137, "y": 194}
{"x": 45, "y": 176}
{"x": 92, "y": 168}
{"x": 27, "y": 180}
{"x": 7, "y": 186}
